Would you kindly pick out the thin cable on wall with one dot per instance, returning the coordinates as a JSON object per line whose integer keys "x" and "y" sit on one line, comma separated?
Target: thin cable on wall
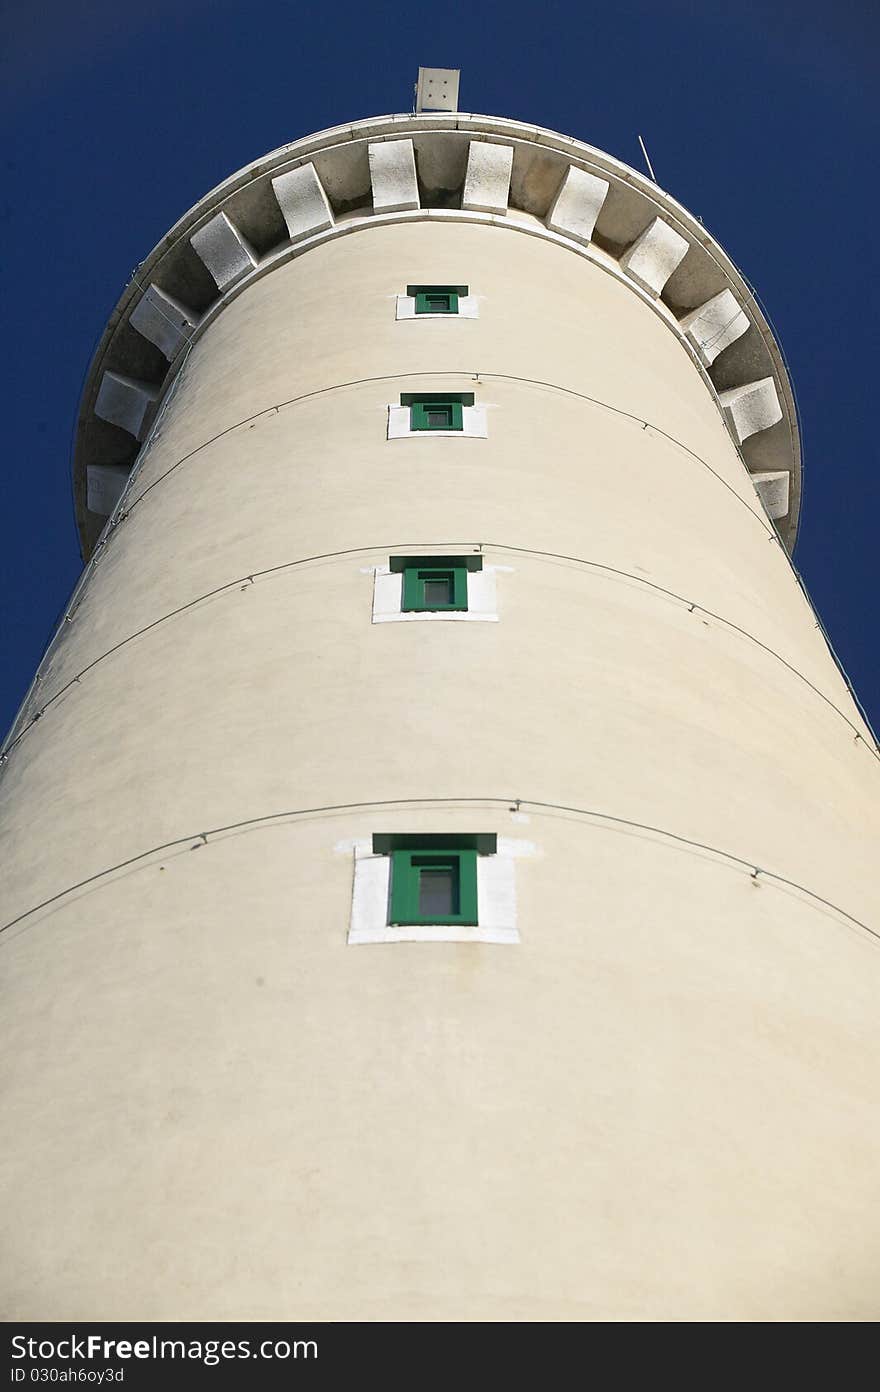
{"x": 198, "y": 839}
{"x": 123, "y": 512}
{"x": 502, "y": 547}
{"x": 276, "y": 407}
{"x": 123, "y": 509}
{"x": 768, "y": 526}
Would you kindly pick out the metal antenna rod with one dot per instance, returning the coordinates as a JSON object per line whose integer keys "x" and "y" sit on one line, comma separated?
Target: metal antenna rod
{"x": 647, "y": 160}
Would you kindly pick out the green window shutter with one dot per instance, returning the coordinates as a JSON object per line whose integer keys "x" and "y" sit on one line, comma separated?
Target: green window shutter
{"x": 428, "y": 588}
{"x": 433, "y": 886}
{"x": 404, "y": 887}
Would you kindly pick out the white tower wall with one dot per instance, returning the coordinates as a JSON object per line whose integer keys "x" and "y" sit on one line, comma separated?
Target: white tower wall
{"x": 659, "y": 1103}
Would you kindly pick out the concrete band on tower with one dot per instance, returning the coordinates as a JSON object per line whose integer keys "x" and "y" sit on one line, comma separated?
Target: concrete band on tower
{"x": 441, "y": 168}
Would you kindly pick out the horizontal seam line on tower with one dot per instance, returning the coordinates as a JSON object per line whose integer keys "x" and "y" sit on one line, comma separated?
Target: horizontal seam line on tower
{"x": 441, "y": 372}
{"x": 401, "y": 545}
{"x": 771, "y": 530}
{"x": 513, "y": 804}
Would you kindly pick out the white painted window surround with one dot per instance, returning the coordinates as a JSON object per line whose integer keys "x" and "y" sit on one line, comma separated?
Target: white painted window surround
{"x": 468, "y": 308}
{"x": 473, "y": 420}
{"x": 482, "y": 599}
{"x": 496, "y": 899}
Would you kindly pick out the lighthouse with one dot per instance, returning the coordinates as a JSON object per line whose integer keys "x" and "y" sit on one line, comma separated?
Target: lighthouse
{"x": 439, "y": 844}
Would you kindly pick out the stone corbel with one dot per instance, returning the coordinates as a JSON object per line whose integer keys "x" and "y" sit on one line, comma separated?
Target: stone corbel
{"x": 487, "y": 182}
{"x": 773, "y": 490}
{"x": 303, "y": 202}
{"x": 393, "y": 176}
{"x": 654, "y": 255}
{"x": 104, "y": 485}
{"x": 226, "y": 253}
{"x": 163, "y": 321}
{"x": 577, "y": 205}
{"x": 713, "y": 326}
{"x": 125, "y": 402}
{"x": 750, "y": 408}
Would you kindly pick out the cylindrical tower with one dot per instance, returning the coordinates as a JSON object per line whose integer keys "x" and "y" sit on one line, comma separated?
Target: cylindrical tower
{"x": 439, "y": 844}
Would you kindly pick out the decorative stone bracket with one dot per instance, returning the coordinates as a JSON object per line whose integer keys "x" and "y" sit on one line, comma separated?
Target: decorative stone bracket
{"x": 512, "y": 172}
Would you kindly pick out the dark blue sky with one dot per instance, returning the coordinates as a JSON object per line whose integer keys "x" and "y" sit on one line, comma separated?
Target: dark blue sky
{"x": 760, "y": 117}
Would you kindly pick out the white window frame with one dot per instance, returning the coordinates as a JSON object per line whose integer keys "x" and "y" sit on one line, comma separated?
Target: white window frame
{"x": 474, "y": 424}
{"x": 482, "y": 599}
{"x": 468, "y": 308}
{"x": 496, "y": 899}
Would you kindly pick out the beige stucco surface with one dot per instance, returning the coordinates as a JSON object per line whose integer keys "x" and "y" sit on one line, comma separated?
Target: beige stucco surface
{"x": 663, "y": 1103}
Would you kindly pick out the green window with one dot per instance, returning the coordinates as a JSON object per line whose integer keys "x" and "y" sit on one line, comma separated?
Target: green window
{"x": 433, "y": 887}
{"x": 437, "y": 302}
{"x": 434, "y": 878}
{"x": 436, "y": 415}
{"x": 436, "y": 299}
{"x": 436, "y": 410}
{"x": 434, "y": 583}
{"x": 433, "y": 587}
